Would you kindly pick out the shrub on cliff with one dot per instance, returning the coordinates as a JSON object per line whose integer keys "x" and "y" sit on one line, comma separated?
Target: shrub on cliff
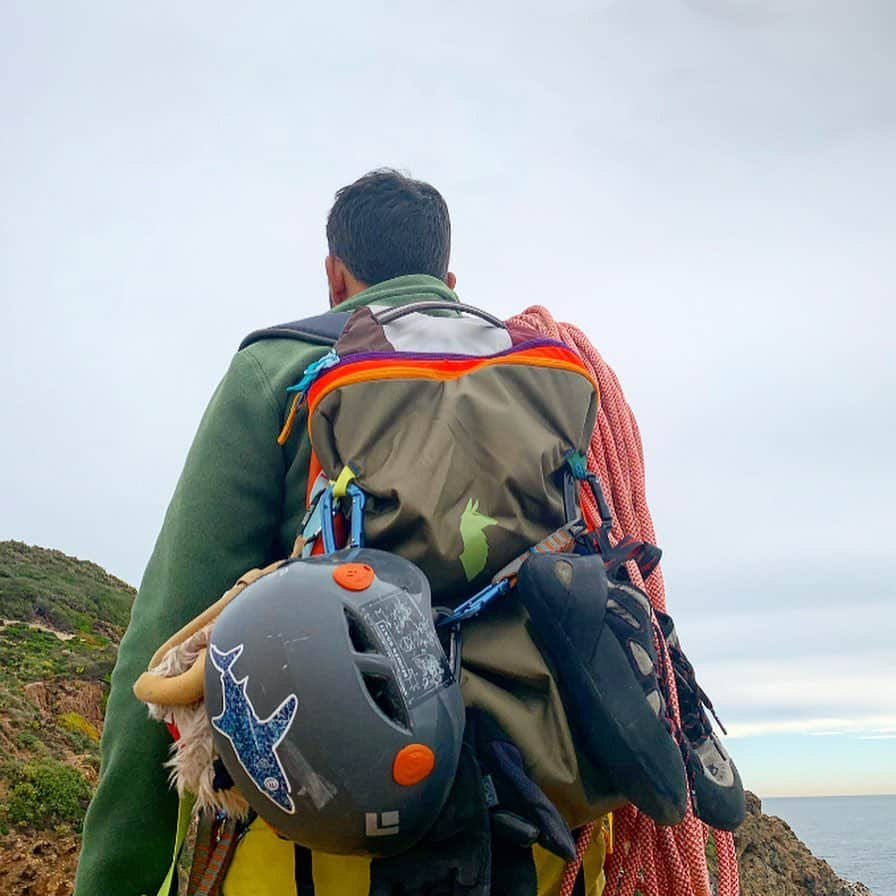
{"x": 45, "y": 794}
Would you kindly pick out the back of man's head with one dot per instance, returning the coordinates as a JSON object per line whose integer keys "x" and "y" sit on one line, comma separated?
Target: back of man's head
{"x": 385, "y": 225}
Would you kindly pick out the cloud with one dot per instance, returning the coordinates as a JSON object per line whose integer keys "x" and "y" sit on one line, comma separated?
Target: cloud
{"x": 764, "y": 689}
{"x": 819, "y": 670}
{"x": 863, "y": 728}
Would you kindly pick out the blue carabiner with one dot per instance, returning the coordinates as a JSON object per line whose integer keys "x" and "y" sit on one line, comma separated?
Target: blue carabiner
{"x": 359, "y": 501}
{"x": 474, "y": 605}
{"x": 326, "y": 520}
{"x": 327, "y": 510}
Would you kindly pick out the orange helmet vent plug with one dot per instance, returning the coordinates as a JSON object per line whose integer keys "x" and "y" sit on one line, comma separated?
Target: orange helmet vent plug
{"x": 412, "y": 764}
{"x": 354, "y": 576}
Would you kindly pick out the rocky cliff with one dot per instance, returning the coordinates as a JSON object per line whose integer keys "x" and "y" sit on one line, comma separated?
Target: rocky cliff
{"x": 773, "y": 860}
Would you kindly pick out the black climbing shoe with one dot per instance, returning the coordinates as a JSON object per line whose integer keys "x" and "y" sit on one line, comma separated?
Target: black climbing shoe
{"x": 715, "y": 782}
{"x": 598, "y": 636}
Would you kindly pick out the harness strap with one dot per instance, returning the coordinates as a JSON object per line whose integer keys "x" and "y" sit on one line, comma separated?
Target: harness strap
{"x": 202, "y": 850}
{"x": 217, "y": 837}
{"x": 646, "y": 556}
{"x": 184, "y": 816}
{"x": 219, "y": 859}
{"x": 303, "y": 872}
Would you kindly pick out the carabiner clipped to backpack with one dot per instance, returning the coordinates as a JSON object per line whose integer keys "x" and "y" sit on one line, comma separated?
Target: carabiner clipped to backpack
{"x": 627, "y": 549}
{"x": 559, "y": 541}
{"x": 474, "y": 605}
{"x": 329, "y": 506}
{"x": 577, "y": 471}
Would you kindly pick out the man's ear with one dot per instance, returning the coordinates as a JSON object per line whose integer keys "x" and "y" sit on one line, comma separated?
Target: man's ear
{"x": 450, "y": 280}
{"x": 336, "y": 280}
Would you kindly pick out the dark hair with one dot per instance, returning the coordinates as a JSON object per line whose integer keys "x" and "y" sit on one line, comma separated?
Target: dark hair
{"x": 385, "y": 225}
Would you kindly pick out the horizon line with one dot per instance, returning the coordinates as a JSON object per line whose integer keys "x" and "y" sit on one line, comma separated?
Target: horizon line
{"x": 821, "y": 796}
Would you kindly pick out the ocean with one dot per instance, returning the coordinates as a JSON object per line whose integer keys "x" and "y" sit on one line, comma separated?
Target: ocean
{"x": 855, "y": 835}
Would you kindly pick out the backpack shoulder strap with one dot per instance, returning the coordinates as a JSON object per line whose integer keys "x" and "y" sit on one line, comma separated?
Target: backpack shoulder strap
{"x": 324, "y": 329}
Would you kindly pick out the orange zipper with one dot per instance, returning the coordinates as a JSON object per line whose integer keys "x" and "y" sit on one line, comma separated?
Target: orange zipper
{"x": 326, "y": 384}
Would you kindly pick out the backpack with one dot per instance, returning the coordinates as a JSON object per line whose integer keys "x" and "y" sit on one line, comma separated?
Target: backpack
{"x": 450, "y": 435}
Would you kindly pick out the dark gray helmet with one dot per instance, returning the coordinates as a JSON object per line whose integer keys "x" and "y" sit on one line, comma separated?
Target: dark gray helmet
{"x": 332, "y": 704}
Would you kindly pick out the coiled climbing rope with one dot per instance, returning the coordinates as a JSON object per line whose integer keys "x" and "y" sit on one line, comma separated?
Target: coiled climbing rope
{"x": 654, "y": 860}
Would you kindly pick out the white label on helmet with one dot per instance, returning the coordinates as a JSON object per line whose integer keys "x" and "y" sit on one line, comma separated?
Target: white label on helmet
{"x": 409, "y": 639}
{"x": 380, "y": 824}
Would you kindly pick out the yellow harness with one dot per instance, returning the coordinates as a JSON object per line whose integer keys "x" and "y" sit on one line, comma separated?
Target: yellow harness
{"x": 264, "y": 865}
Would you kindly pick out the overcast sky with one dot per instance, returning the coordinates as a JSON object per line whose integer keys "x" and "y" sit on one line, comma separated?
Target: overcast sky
{"x": 707, "y": 187}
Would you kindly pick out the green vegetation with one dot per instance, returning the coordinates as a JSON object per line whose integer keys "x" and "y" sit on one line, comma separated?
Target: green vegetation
{"x": 31, "y": 654}
{"x": 75, "y": 722}
{"x": 45, "y": 794}
{"x": 60, "y": 623}
{"x": 60, "y": 616}
{"x": 62, "y": 592}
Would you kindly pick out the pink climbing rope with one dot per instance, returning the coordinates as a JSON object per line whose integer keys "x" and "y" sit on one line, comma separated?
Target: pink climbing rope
{"x": 654, "y": 860}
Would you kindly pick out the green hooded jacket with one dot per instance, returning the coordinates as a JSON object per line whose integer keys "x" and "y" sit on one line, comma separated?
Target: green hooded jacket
{"x": 238, "y": 505}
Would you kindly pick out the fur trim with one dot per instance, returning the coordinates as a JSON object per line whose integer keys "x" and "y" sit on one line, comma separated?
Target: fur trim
{"x": 192, "y": 757}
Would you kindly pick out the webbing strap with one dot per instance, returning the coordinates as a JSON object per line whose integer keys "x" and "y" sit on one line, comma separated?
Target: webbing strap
{"x": 202, "y": 849}
{"x": 219, "y": 858}
{"x": 346, "y": 475}
{"x": 646, "y": 557}
{"x": 303, "y": 871}
{"x": 184, "y": 815}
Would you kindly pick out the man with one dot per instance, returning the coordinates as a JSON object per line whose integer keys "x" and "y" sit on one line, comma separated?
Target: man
{"x": 238, "y": 505}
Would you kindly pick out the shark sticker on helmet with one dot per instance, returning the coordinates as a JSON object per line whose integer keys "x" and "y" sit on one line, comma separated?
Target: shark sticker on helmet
{"x": 255, "y": 740}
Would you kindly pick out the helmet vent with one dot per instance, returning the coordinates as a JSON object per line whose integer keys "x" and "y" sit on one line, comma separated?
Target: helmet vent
{"x": 360, "y": 639}
{"x": 388, "y": 701}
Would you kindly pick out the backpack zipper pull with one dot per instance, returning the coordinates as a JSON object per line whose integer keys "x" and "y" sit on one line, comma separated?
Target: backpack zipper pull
{"x": 313, "y": 371}
{"x": 300, "y": 390}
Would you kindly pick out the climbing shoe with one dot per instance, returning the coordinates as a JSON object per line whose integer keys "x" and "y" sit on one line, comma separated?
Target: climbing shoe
{"x": 598, "y": 636}
{"x": 715, "y": 783}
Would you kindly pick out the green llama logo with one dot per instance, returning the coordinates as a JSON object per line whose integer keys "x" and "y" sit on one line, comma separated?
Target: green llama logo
{"x": 475, "y": 553}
